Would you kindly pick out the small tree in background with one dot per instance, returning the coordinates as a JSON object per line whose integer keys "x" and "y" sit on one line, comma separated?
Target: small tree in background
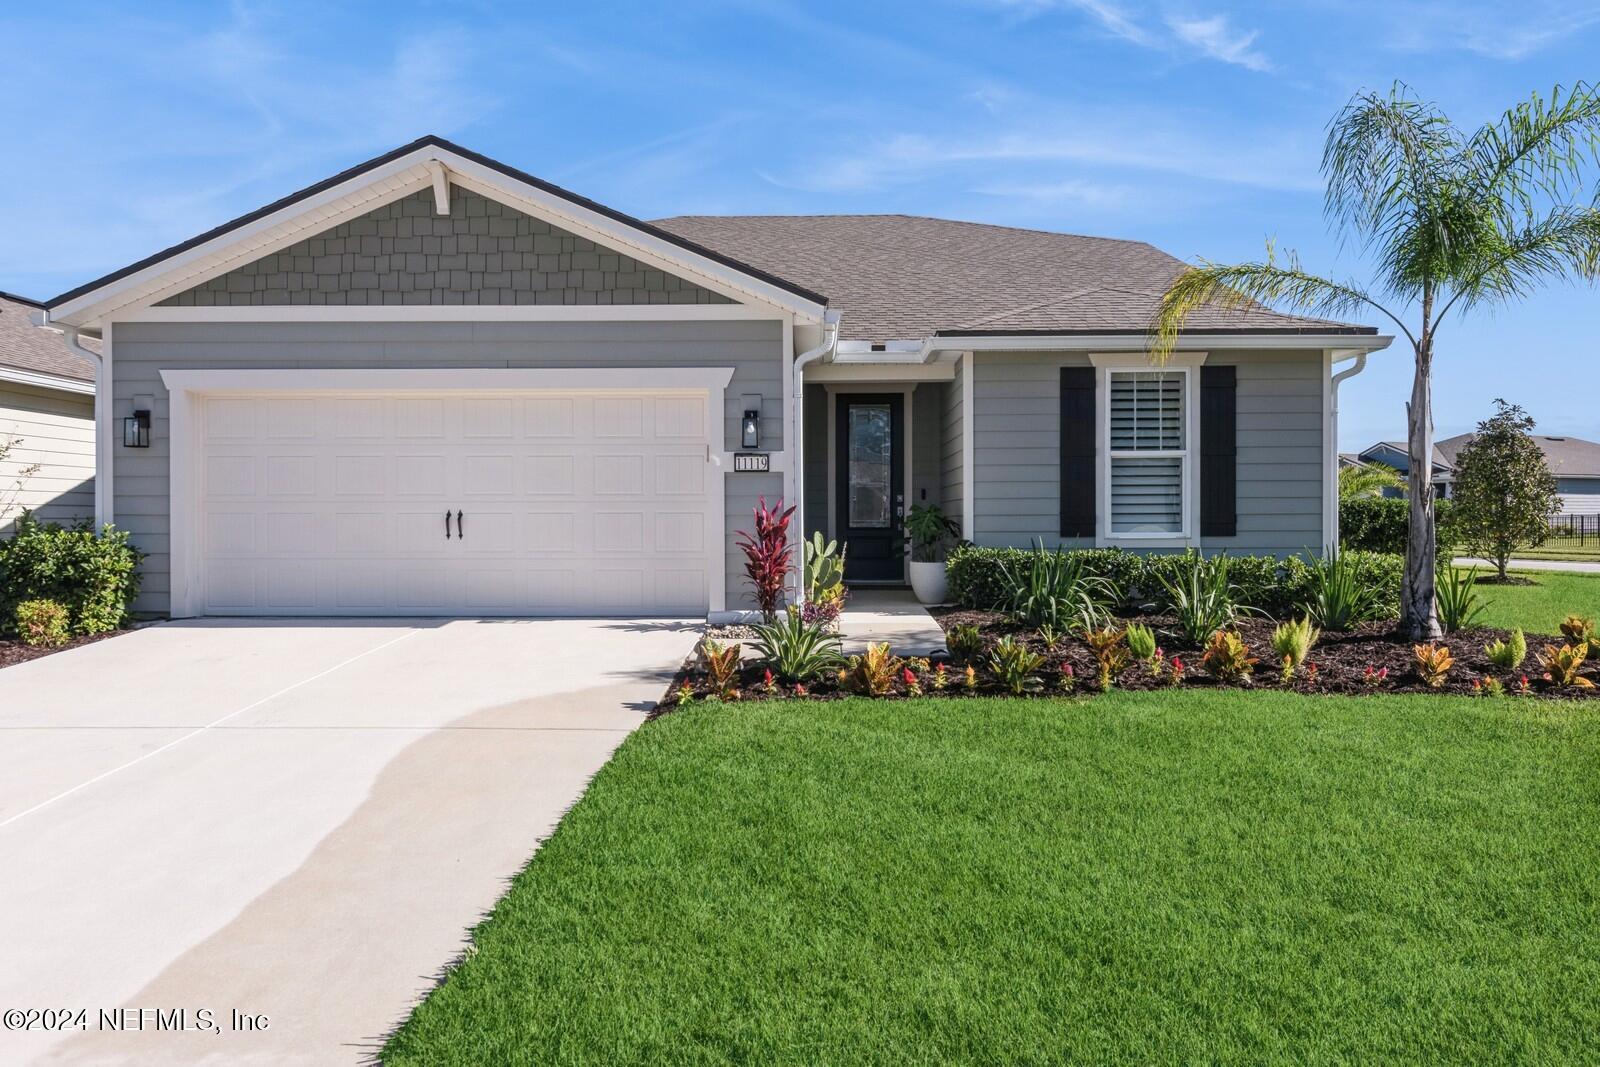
{"x": 1505, "y": 495}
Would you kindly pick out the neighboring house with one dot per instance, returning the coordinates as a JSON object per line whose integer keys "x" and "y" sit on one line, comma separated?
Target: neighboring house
{"x": 434, "y": 384}
{"x": 47, "y": 412}
{"x": 1574, "y": 461}
{"x": 1397, "y": 455}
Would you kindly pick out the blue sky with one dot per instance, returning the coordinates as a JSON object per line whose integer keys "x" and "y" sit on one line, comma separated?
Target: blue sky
{"x": 1193, "y": 124}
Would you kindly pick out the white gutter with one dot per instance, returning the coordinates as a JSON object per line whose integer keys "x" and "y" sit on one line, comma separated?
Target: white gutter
{"x": 797, "y": 447}
{"x": 1332, "y": 501}
{"x": 102, "y": 446}
{"x": 1138, "y": 342}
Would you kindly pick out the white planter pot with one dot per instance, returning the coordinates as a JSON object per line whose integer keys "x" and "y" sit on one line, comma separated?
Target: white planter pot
{"x": 928, "y": 581}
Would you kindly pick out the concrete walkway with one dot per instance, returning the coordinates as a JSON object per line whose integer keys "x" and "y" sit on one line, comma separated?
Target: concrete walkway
{"x": 295, "y": 820}
{"x": 1574, "y": 566}
{"x": 893, "y": 615}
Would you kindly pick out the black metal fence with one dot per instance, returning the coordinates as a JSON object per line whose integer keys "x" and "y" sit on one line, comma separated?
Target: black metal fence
{"x": 1574, "y": 531}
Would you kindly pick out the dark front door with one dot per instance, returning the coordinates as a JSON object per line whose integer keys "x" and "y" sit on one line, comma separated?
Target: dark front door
{"x": 871, "y": 491}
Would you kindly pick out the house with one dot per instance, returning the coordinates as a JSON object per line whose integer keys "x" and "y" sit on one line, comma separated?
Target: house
{"x": 1397, "y": 454}
{"x": 1574, "y": 461}
{"x": 435, "y": 384}
{"x": 47, "y": 416}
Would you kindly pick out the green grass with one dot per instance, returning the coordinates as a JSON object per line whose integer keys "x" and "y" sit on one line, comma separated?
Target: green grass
{"x": 1564, "y": 550}
{"x": 1539, "y": 609}
{"x": 1142, "y": 878}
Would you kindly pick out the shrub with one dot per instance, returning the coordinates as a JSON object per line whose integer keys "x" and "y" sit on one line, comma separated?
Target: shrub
{"x": 768, "y": 555}
{"x": 1338, "y": 595}
{"x": 1205, "y": 600}
{"x": 1111, "y": 653}
{"x": 978, "y": 576}
{"x": 1292, "y": 641}
{"x": 797, "y": 650}
{"x": 1257, "y": 580}
{"x": 1455, "y": 593}
{"x": 1227, "y": 658}
{"x": 94, "y": 576}
{"x": 929, "y": 529}
{"x": 874, "y": 672}
{"x": 1508, "y": 655}
{"x": 1433, "y": 664}
{"x": 1562, "y": 663}
{"x": 1055, "y": 589}
{"x": 1379, "y": 524}
{"x": 1578, "y": 629}
{"x": 965, "y": 642}
{"x": 43, "y": 624}
{"x": 1015, "y": 666}
{"x": 1142, "y": 643}
{"x": 722, "y": 668}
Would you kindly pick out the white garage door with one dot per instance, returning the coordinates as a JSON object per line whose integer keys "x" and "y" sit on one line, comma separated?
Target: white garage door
{"x": 531, "y": 504}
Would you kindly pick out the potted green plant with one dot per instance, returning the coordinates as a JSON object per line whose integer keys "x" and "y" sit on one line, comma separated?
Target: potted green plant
{"x": 930, "y": 531}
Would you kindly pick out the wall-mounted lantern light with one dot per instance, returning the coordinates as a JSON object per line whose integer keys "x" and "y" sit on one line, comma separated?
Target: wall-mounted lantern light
{"x": 750, "y": 428}
{"x": 136, "y": 430}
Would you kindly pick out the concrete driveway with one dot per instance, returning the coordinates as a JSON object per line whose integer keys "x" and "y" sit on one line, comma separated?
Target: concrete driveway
{"x": 296, "y": 820}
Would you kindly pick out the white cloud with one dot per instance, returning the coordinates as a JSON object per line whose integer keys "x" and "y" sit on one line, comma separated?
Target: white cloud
{"x": 1495, "y": 30}
{"x": 1213, "y": 37}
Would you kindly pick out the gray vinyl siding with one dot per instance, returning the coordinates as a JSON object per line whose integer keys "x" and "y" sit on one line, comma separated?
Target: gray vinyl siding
{"x": 1579, "y": 496}
{"x": 927, "y": 445}
{"x": 952, "y": 481}
{"x": 54, "y": 431}
{"x": 1016, "y": 451}
{"x": 753, "y": 348}
{"x": 483, "y": 252}
{"x": 815, "y": 475}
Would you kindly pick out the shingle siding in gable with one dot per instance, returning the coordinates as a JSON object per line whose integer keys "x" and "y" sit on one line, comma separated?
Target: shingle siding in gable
{"x": 483, "y": 252}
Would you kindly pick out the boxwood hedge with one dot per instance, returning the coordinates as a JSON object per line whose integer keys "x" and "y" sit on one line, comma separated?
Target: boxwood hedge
{"x": 95, "y": 576}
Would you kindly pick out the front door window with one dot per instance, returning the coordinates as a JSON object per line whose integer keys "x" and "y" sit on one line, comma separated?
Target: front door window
{"x": 870, "y": 473}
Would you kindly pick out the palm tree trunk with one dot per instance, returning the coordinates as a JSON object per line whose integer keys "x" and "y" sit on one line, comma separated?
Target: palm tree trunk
{"x": 1419, "y": 617}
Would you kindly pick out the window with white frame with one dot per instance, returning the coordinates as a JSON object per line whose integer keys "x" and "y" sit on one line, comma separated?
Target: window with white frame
{"x": 1146, "y": 421}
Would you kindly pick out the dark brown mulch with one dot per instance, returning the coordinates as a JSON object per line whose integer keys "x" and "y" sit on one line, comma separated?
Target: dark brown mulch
{"x": 13, "y": 651}
{"x": 1510, "y": 579}
{"x": 1341, "y": 663}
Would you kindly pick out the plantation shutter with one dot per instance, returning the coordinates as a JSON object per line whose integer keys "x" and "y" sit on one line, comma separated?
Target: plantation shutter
{"x": 1077, "y": 452}
{"x": 1148, "y": 446}
{"x": 1219, "y": 443}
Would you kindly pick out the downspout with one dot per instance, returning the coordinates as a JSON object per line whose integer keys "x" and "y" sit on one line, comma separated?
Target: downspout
{"x": 797, "y": 449}
{"x": 70, "y": 338}
{"x": 1333, "y": 414}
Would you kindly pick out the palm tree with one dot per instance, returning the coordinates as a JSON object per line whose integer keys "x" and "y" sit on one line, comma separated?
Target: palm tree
{"x": 1367, "y": 480}
{"x": 1454, "y": 222}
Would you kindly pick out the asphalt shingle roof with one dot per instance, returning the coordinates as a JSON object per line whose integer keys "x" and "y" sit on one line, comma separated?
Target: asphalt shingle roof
{"x": 905, "y": 277}
{"x": 24, "y": 345}
{"x": 1568, "y": 457}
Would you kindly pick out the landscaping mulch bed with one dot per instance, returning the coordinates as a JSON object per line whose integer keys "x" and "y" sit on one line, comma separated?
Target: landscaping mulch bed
{"x": 13, "y": 651}
{"x": 1338, "y": 664}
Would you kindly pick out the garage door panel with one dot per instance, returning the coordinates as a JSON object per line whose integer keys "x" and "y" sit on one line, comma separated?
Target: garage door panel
{"x": 581, "y": 503}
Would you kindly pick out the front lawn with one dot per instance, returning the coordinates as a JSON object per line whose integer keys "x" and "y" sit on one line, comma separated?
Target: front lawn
{"x": 1539, "y": 608}
{"x": 1184, "y": 876}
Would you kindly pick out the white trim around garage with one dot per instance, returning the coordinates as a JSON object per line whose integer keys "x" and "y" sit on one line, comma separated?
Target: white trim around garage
{"x": 188, "y": 387}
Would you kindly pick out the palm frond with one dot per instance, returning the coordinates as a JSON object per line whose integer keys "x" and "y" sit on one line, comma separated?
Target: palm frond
{"x": 1384, "y": 156}
{"x": 1370, "y": 480}
{"x": 1537, "y": 147}
{"x": 1564, "y": 243}
{"x": 1247, "y": 285}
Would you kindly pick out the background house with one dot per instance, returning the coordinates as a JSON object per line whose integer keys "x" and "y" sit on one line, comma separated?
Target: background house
{"x": 1574, "y": 461}
{"x": 47, "y": 410}
{"x": 1394, "y": 454}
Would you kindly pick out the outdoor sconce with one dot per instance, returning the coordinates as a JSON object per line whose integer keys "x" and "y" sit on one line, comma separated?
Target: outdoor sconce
{"x": 136, "y": 430}
{"x": 750, "y": 429}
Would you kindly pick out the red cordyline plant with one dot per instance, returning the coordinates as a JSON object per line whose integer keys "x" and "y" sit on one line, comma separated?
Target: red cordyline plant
{"x": 768, "y": 555}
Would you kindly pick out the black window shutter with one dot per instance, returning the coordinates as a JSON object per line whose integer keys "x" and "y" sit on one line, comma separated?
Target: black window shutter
{"x": 1219, "y": 443}
{"x": 1077, "y": 452}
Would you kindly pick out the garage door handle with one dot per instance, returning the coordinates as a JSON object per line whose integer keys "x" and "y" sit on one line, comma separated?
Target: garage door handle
{"x": 461, "y": 527}
{"x": 447, "y": 526}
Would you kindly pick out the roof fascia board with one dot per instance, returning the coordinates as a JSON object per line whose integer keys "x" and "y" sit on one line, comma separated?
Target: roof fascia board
{"x": 41, "y": 380}
{"x": 657, "y": 252}
{"x": 1133, "y": 342}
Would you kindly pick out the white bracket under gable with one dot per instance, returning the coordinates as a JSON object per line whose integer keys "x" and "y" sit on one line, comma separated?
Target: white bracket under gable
{"x": 441, "y": 187}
